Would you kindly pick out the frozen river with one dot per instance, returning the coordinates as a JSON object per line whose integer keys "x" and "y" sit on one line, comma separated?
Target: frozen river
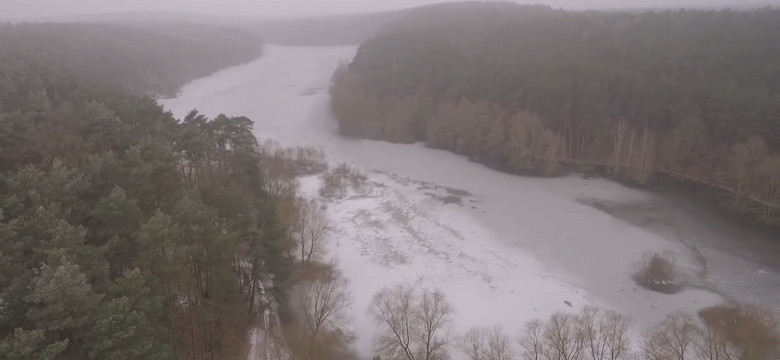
{"x": 514, "y": 248}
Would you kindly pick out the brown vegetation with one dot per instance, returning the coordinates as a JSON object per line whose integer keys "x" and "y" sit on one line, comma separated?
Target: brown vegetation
{"x": 525, "y": 89}
{"x": 416, "y": 327}
{"x": 270, "y": 346}
{"x": 745, "y": 333}
{"x": 302, "y": 160}
{"x": 320, "y": 299}
{"x": 658, "y": 272}
{"x": 311, "y": 230}
{"x": 278, "y": 171}
{"x": 337, "y": 181}
{"x": 304, "y": 224}
{"x": 730, "y": 333}
{"x": 331, "y": 345}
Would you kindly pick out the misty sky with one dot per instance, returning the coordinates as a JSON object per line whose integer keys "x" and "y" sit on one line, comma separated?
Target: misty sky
{"x": 10, "y": 9}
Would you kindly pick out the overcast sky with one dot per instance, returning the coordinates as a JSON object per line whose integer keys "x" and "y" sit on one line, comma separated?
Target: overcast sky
{"x": 295, "y": 8}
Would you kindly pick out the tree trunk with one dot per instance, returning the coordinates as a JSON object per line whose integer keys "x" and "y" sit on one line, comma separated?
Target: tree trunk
{"x": 630, "y": 152}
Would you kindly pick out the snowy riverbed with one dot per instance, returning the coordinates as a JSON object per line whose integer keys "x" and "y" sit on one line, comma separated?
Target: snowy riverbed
{"x": 513, "y": 248}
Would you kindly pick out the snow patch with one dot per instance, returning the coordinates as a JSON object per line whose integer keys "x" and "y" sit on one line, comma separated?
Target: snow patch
{"x": 398, "y": 233}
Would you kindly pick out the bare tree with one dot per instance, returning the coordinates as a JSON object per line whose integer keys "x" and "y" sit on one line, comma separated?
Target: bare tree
{"x": 563, "y": 338}
{"x": 531, "y": 341}
{"x": 499, "y": 345}
{"x": 591, "y": 332}
{"x": 689, "y": 138}
{"x": 307, "y": 160}
{"x": 712, "y": 345}
{"x": 412, "y": 328}
{"x": 434, "y": 318}
{"x": 393, "y": 310}
{"x": 614, "y": 330}
{"x": 486, "y": 344}
{"x": 279, "y": 171}
{"x": 744, "y": 162}
{"x": 672, "y": 339}
{"x": 311, "y": 230}
{"x": 473, "y": 344}
{"x": 321, "y": 302}
{"x": 605, "y": 333}
{"x": 769, "y": 179}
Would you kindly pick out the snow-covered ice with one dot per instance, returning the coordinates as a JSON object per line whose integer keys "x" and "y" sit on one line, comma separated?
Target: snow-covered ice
{"x": 401, "y": 232}
{"x": 510, "y": 250}
{"x": 398, "y": 233}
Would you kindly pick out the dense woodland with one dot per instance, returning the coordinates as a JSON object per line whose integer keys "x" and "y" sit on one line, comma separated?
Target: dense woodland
{"x": 126, "y": 233}
{"x": 689, "y": 95}
{"x": 154, "y": 59}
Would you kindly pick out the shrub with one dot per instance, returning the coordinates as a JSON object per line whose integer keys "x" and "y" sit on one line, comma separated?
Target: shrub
{"x": 308, "y": 160}
{"x": 658, "y": 272}
{"x": 333, "y": 186}
{"x": 299, "y": 160}
{"x": 752, "y": 331}
{"x": 357, "y": 181}
{"x": 337, "y": 181}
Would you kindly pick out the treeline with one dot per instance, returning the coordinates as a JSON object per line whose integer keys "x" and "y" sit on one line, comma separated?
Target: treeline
{"x": 155, "y": 59}
{"x": 126, "y": 233}
{"x": 416, "y": 324}
{"x": 691, "y": 95}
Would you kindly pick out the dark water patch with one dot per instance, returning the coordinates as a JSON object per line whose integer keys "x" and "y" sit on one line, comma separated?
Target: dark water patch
{"x": 446, "y": 200}
{"x": 641, "y": 214}
{"x": 311, "y": 91}
{"x": 457, "y": 192}
{"x": 708, "y": 205}
{"x": 695, "y": 212}
{"x": 738, "y": 261}
{"x": 684, "y": 217}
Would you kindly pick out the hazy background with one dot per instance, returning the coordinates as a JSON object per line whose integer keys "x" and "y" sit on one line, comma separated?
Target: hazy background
{"x": 30, "y": 9}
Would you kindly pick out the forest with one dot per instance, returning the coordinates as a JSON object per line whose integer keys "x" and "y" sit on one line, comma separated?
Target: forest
{"x": 126, "y": 233}
{"x": 686, "y": 95}
{"x": 155, "y": 59}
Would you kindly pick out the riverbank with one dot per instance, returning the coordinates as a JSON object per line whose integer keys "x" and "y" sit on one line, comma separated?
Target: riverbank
{"x": 514, "y": 248}
{"x": 749, "y": 210}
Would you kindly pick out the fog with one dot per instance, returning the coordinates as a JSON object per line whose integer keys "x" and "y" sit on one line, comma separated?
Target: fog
{"x": 501, "y": 257}
{"x": 31, "y": 9}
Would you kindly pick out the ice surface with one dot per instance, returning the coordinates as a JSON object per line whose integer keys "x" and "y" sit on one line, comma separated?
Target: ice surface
{"x": 503, "y": 249}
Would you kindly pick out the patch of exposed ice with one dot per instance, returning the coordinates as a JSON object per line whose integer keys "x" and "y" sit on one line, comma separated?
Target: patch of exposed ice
{"x": 503, "y": 249}
{"x": 398, "y": 234}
